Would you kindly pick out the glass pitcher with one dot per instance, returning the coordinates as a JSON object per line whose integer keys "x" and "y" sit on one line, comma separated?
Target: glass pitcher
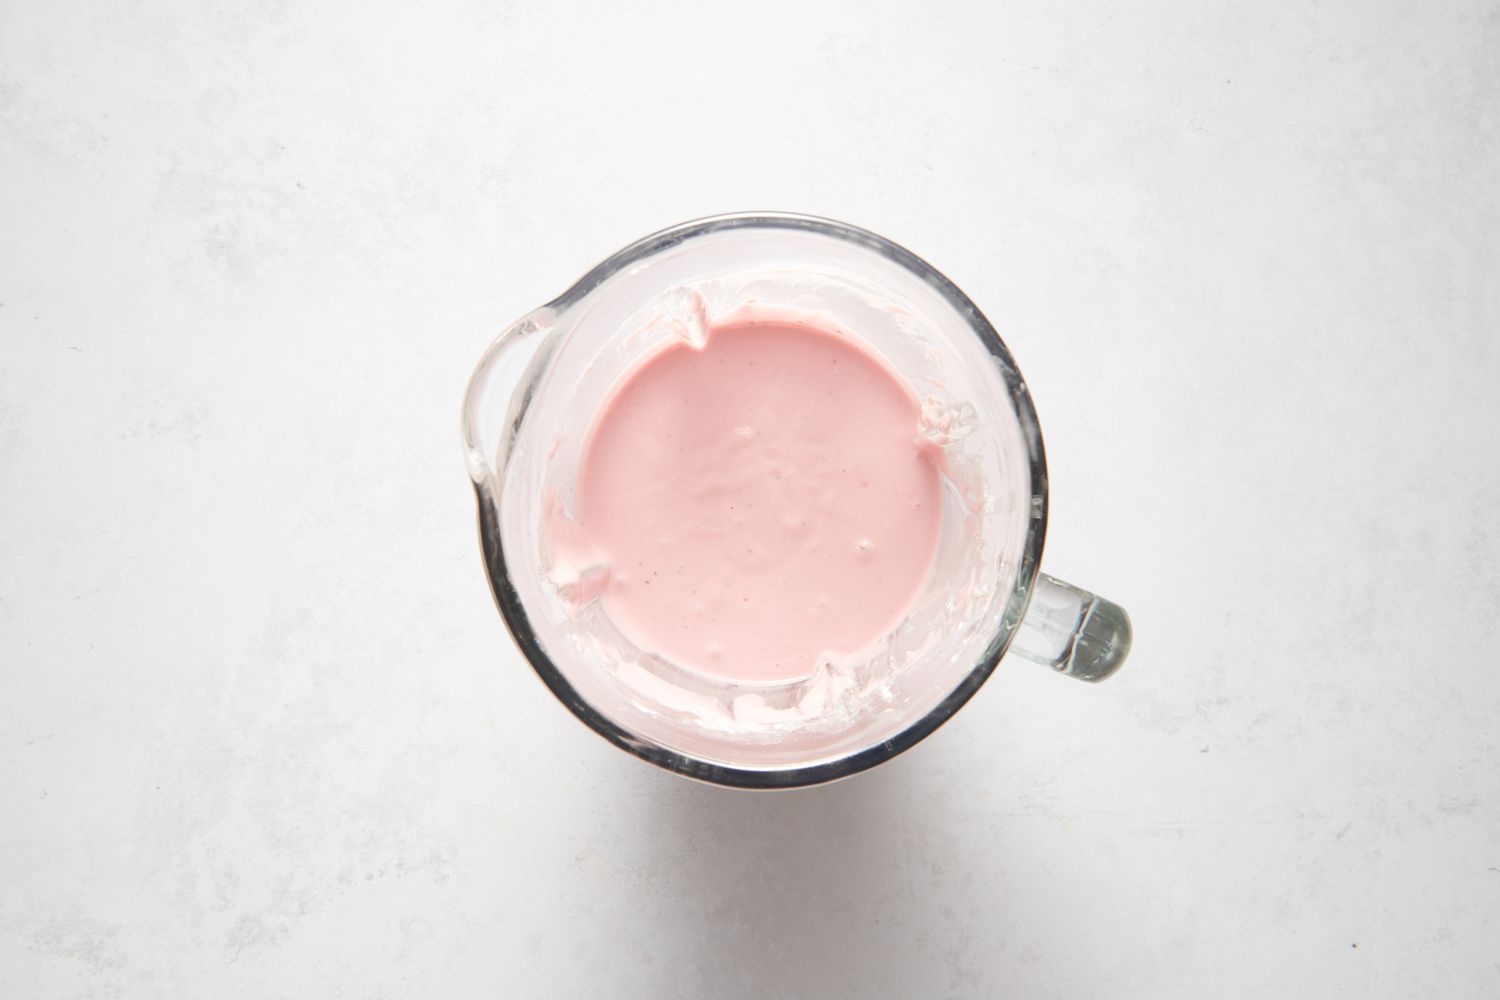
{"x": 530, "y": 404}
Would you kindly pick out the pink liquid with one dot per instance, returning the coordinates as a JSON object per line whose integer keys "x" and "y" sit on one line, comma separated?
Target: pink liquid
{"x": 759, "y": 501}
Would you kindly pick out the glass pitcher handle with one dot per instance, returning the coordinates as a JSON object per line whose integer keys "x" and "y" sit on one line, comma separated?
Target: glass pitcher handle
{"x": 1072, "y": 631}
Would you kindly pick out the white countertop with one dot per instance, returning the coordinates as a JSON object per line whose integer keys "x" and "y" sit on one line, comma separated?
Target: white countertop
{"x": 262, "y": 733}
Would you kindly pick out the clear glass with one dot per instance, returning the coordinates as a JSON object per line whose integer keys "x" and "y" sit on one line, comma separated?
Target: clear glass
{"x": 530, "y": 403}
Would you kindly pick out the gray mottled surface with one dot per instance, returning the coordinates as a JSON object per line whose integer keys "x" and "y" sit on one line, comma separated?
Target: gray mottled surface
{"x": 262, "y": 734}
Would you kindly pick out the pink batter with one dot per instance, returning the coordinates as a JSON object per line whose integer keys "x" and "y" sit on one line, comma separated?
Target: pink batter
{"x": 759, "y": 501}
